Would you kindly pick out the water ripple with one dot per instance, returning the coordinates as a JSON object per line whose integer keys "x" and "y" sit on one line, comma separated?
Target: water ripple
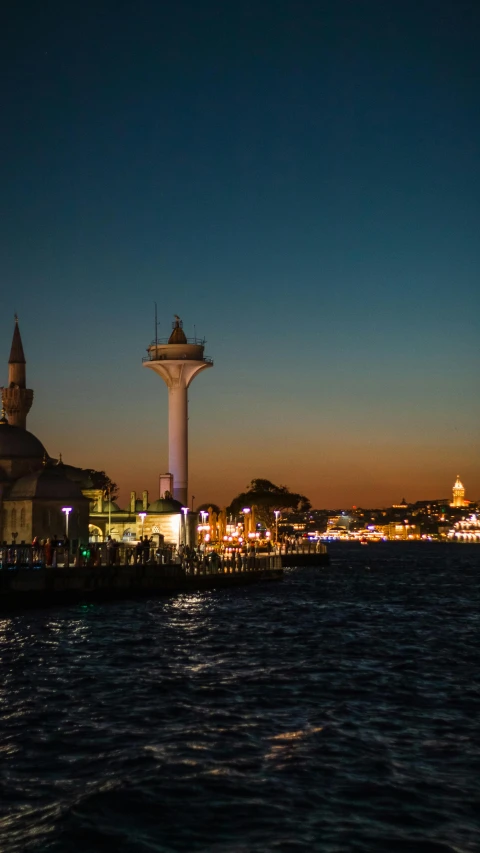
{"x": 336, "y": 711}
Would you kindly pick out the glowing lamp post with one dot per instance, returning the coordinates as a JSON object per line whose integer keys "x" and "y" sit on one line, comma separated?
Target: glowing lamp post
{"x": 245, "y": 510}
{"x": 142, "y": 515}
{"x": 185, "y": 528}
{"x": 276, "y": 512}
{"x": 67, "y": 510}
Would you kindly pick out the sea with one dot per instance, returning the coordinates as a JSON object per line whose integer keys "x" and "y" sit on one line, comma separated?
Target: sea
{"x": 337, "y": 710}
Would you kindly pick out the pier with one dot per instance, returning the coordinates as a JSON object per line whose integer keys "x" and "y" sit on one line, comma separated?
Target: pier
{"x": 34, "y": 577}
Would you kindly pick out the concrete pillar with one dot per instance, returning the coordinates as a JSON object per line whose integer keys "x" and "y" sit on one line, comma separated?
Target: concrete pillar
{"x": 178, "y": 441}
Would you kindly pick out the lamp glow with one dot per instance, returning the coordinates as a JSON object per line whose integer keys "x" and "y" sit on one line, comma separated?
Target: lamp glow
{"x": 67, "y": 510}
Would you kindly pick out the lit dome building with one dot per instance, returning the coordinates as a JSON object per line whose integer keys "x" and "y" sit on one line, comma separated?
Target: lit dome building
{"x": 459, "y": 493}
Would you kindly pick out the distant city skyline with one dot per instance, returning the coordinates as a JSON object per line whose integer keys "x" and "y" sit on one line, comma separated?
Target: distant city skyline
{"x": 298, "y": 182}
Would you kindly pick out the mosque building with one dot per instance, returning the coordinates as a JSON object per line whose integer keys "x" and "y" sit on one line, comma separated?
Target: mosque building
{"x": 36, "y": 490}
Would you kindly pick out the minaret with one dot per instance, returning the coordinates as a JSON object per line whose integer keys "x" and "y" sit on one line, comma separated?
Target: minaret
{"x": 17, "y": 398}
{"x": 177, "y": 360}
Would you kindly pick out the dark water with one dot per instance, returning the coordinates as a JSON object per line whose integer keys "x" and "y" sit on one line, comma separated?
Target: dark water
{"x": 336, "y": 711}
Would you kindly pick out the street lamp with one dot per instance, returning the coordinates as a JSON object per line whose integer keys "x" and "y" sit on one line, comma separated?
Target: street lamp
{"x": 185, "y": 513}
{"x": 204, "y": 516}
{"x": 67, "y": 510}
{"x": 245, "y": 510}
{"x": 276, "y": 513}
{"x": 142, "y": 515}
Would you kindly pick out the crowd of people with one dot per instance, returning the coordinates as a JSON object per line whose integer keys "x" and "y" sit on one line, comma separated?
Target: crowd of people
{"x": 146, "y": 551}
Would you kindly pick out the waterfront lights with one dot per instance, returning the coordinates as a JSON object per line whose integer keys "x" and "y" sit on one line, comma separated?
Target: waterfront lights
{"x": 143, "y": 516}
{"x": 67, "y": 510}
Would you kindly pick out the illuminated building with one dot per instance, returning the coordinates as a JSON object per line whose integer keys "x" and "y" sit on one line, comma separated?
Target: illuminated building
{"x": 178, "y": 360}
{"x": 16, "y": 397}
{"x": 466, "y": 530}
{"x": 459, "y": 493}
{"x": 160, "y": 520}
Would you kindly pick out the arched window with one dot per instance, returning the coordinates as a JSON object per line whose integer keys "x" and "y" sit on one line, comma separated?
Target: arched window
{"x": 13, "y": 519}
{"x": 22, "y": 517}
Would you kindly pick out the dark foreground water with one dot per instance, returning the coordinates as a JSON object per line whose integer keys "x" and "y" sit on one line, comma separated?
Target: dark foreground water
{"x": 336, "y": 711}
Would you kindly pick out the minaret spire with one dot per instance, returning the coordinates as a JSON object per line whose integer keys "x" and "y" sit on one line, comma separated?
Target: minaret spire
{"x": 17, "y": 398}
{"x": 17, "y": 355}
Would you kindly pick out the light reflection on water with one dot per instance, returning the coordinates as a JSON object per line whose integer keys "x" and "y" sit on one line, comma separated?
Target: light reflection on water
{"x": 336, "y": 711}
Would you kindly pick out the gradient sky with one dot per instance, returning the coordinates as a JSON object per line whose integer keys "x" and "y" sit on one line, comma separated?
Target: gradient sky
{"x": 300, "y": 181}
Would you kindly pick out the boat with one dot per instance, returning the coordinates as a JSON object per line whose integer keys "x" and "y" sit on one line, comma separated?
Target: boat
{"x": 466, "y": 530}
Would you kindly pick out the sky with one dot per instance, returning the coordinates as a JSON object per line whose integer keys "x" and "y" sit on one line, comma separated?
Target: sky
{"x": 300, "y": 182}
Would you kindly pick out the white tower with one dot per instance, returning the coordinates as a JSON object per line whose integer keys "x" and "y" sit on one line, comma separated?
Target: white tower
{"x": 177, "y": 360}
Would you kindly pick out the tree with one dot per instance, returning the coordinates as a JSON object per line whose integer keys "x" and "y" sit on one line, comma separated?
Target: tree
{"x": 101, "y": 480}
{"x": 266, "y": 497}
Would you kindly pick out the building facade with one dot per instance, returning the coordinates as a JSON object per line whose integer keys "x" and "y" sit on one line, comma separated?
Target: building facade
{"x": 458, "y": 493}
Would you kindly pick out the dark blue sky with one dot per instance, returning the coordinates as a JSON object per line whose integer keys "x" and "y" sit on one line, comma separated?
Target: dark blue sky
{"x": 300, "y": 180}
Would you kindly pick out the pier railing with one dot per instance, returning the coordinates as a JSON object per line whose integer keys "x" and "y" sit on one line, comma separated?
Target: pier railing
{"x": 303, "y": 546}
{"x": 165, "y": 357}
{"x": 192, "y": 561}
{"x": 14, "y": 557}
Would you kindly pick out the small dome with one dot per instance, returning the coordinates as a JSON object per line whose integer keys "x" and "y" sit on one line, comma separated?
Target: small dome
{"x": 16, "y": 442}
{"x": 139, "y": 505}
{"x": 165, "y": 505}
{"x": 48, "y": 483}
{"x": 112, "y": 506}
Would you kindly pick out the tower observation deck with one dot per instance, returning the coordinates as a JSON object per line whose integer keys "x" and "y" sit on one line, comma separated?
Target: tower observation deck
{"x": 178, "y": 360}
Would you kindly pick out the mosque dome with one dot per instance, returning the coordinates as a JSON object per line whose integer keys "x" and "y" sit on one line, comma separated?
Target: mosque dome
{"x": 16, "y": 442}
{"x": 165, "y": 505}
{"x": 48, "y": 483}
